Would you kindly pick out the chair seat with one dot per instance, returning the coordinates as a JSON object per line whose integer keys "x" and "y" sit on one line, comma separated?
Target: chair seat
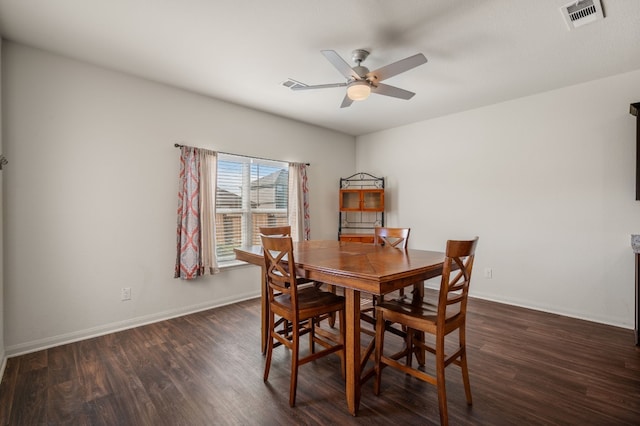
{"x": 311, "y": 302}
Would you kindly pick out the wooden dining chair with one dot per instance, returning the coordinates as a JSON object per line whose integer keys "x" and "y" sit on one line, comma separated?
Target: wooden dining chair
{"x": 299, "y": 309}
{"x": 390, "y": 237}
{"x": 396, "y": 238}
{"x": 283, "y": 231}
{"x": 439, "y": 320}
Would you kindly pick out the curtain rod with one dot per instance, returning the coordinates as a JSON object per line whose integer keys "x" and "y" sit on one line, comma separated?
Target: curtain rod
{"x": 177, "y": 145}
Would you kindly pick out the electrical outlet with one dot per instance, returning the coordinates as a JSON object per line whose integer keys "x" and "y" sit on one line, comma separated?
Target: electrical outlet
{"x": 125, "y": 293}
{"x": 488, "y": 273}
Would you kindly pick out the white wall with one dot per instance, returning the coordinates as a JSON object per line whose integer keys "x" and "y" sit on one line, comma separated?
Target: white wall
{"x": 2, "y": 352}
{"x": 90, "y": 197}
{"x": 548, "y": 184}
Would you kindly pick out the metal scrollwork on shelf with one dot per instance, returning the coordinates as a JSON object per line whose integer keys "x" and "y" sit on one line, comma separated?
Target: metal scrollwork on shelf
{"x": 362, "y": 179}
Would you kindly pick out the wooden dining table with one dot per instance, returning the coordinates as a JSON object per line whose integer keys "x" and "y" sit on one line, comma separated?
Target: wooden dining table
{"x": 357, "y": 268}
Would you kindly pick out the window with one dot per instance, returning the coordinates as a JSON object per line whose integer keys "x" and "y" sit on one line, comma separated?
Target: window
{"x": 250, "y": 193}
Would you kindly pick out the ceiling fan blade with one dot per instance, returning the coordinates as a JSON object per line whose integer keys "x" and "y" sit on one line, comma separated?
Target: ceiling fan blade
{"x": 396, "y": 68}
{"x": 347, "y": 101}
{"x": 340, "y": 64}
{"x": 318, "y": 86}
{"x": 394, "y": 92}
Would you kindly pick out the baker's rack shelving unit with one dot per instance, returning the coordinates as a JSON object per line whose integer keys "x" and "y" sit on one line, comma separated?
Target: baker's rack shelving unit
{"x": 361, "y": 207}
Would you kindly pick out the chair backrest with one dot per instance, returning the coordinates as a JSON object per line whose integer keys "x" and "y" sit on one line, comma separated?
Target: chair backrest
{"x": 452, "y": 301}
{"x": 278, "y": 258}
{"x": 284, "y": 230}
{"x": 392, "y": 237}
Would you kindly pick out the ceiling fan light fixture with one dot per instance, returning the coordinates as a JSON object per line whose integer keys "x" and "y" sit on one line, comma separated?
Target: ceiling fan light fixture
{"x": 358, "y": 90}
{"x": 360, "y": 81}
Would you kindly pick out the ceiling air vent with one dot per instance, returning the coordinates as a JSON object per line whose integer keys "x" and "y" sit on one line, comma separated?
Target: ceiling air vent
{"x": 579, "y": 13}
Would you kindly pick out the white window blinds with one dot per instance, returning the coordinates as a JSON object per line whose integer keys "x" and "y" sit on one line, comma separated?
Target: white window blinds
{"x": 251, "y": 192}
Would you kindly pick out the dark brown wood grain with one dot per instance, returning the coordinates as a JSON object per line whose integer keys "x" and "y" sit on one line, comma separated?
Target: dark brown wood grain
{"x": 354, "y": 267}
{"x": 364, "y": 267}
{"x": 525, "y": 367}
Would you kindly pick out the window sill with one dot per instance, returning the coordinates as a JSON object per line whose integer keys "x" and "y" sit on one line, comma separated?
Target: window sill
{"x": 232, "y": 264}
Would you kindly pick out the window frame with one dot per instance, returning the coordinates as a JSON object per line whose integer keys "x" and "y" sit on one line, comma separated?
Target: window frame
{"x": 243, "y": 207}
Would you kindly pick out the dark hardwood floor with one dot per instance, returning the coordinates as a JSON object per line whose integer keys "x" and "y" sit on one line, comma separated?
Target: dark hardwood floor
{"x": 526, "y": 368}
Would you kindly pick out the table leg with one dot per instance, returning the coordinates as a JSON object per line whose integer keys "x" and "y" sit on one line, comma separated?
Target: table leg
{"x": 352, "y": 349}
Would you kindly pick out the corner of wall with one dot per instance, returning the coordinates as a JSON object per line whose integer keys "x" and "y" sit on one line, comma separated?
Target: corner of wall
{"x": 2, "y": 348}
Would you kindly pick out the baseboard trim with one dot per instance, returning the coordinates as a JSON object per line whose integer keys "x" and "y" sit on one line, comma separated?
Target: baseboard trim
{"x": 548, "y": 310}
{"x": 89, "y": 333}
{"x": 3, "y": 366}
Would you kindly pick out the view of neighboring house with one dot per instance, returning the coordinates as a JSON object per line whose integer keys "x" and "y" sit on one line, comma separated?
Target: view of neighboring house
{"x": 267, "y": 207}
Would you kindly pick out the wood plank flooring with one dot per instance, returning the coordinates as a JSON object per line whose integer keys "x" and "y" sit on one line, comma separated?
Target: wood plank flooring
{"x": 526, "y": 368}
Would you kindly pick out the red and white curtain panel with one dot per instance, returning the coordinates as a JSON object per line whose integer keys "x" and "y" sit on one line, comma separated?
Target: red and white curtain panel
{"x": 196, "y": 228}
{"x": 195, "y": 246}
{"x": 299, "y": 202}
{"x": 188, "y": 261}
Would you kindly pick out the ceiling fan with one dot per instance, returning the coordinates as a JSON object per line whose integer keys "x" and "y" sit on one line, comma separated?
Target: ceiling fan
{"x": 360, "y": 81}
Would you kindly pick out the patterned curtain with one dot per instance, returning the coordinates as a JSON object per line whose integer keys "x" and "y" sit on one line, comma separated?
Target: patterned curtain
{"x": 188, "y": 260}
{"x": 299, "y": 202}
{"x": 196, "y": 245}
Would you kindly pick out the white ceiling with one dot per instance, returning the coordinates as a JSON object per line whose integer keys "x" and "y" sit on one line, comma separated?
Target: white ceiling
{"x": 480, "y": 52}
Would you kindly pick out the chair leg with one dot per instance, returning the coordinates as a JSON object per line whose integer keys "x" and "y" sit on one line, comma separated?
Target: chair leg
{"x": 294, "y": 367}
{"x": 269, "y": 348}
{"x": 312, "y": 335}
{"x": 414, "y": 336}
{"x": 440, "y": 381}
{"x": 408, "y": 343}
{"x": 464, "y": 367}
{"x": 465, "y": 377}
{"x": 420, "y": 351}
{"x": 332, "y": 315}
{"x": 379, "y": 350}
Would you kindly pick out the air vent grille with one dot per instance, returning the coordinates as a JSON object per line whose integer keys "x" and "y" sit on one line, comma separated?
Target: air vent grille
{"x": 579, "y": 13}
